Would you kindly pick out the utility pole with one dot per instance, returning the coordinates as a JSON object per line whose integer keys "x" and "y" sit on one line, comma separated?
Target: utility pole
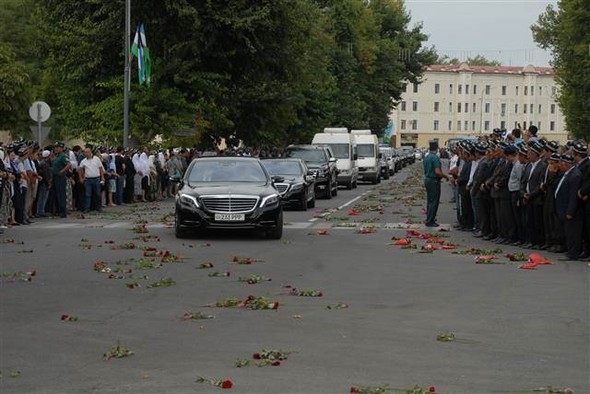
{"x": 127, "y": 73}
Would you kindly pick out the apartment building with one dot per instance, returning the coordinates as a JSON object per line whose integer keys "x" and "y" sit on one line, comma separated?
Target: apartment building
{"x": 460, "y": 100}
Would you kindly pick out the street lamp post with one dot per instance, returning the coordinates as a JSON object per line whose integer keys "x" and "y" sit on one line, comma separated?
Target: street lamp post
{"x": 127, "y": 82}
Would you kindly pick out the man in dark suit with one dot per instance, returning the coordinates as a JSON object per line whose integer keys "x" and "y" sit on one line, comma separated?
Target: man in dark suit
{"x": 481, "y": 173}
{"x": 533, "y": 197}
{"x": 568, "y": 207}
{"x": 582, "y": 160}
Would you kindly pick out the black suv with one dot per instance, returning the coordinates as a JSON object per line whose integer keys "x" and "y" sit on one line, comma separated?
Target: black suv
{"x": 320, "y": 159}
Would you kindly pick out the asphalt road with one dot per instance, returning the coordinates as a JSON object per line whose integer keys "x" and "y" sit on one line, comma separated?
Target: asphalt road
{"x": 514, "y": 329}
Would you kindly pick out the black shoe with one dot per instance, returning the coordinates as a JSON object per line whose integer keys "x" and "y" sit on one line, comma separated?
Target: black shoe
{"x": 432, "y": 224}
{"x": 567, "y": 258}
{"x": 488, "y": 237}
{"x": 560, "y": 249}
{"x": 516, "y": 243}
{"x": 535, "y": 247}
{"x": 477, "y": 234}
{"x": 29, "y": 221}
{"x": 545, "y": 247}
{"x": 583, "y": 255}
{"x": 63, "y": 215}
{"x": 23, "y": 223}
{"x": 527, "y": 245}
{"x": 500, "y": 241}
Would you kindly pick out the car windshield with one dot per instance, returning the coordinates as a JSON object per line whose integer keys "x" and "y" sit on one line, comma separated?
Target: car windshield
{"x": 227, "y": 171}
{"x": 365, "y": 150}
{"x": 341, "y": 151}
{"x": 313, "y": 155}
{"x": 282, "y": 167}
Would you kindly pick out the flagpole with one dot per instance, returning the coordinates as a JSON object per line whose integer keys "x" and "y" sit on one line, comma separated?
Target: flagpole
{"x": 127, "y": 73}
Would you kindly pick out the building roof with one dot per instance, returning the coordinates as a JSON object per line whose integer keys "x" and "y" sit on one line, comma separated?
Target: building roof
{"x": 464, "y": 67}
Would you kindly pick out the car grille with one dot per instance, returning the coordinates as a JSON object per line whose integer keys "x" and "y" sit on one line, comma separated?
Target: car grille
{"x": 282, "y": 187}
{"x": 229, "y": 203}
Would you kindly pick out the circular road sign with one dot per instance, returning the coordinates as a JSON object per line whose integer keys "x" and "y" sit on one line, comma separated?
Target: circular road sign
{"x": 39, "y": 111}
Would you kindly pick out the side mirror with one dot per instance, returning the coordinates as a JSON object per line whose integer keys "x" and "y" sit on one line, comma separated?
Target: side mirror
{"x": 278, "y": 178}
{"x": 309, "y": 178}
{"x": 311, "y": 173}
{"x": 380, "y": 155}
{"x": 175, "y": 179}
{"x": 355, "y": 157}
{"x": 332, "y": 160}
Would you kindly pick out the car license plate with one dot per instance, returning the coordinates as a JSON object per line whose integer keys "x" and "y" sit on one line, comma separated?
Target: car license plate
{"x": 230, "y": 217}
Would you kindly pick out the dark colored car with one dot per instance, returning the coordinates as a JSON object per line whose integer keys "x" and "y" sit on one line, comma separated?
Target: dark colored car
{"x": 228, "y": 193}
{"x": 298, "y": 187}
{"x": 321, "y": 161}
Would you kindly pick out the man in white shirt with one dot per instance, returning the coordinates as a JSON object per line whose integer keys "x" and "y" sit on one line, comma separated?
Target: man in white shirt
{"x": 91, "y": 174}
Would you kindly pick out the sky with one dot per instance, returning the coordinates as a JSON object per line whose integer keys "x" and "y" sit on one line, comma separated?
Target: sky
{"x": 496, "y": 29}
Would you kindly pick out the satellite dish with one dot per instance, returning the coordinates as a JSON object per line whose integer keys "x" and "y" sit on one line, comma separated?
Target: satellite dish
{"x": 39, "y": 111}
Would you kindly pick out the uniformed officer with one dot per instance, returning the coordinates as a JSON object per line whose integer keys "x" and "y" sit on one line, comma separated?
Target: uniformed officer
{"x": 432, "y": 177}
{"x": 59, "y": 168}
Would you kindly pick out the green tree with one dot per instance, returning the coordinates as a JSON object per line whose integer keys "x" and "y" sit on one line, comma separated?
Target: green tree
{"x": 564, "y": 31}
{"x": 14, "y": 82}
{"x": 478, "y": 60}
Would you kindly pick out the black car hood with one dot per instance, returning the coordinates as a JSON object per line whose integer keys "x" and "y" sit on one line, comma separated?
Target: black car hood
{"x": 250, "y": 188}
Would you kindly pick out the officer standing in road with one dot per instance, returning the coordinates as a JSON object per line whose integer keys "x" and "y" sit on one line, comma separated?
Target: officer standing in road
{"x": 432, "y": 178}
{"x": 59, "y": 168}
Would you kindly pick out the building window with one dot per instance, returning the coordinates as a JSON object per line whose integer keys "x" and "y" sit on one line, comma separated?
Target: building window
{"x": 436, "y": 88}
{"x": 516, "y": 124}
{"x": 460, "y": 89}
{"x": 552, "y": 108}
{"x": 503, "y": 90}
{"x": 414, "y": 125}
{"x": 531, "y": 108}
{"x": 466, "y": 107}
{"x": 466, "y": 89}
{"x": 503, "y": 109}
{"x": 415, "y": 88}
{"x": 553, "y": 91}
{"x": 414, "y": 106}
{"x": 515, "y": 108}
{"x": 403, "y": 105}
{"x": 524, "y": 124}
{"x": 435, "y": 125}
{"x": 486, "y": 125}
{"x": 539, "y": 125}
{"x": 458, "y": 125}
{"x": 540, "y": 90}
{"x": 526, "y": 90}
{"x": 450, "y": 107}
{"x": 466, "y": 125}
{"x": 451, "y": 89}
{"x": 450, "y": 125}
{"x": 552, "y": 126}
{"x": 524, "y": 108}
{"x": 473, "y": 125}
{"x": 436, "y": 103}
{"x": 405, "y": 87}
{"x": 539, "y": 109}
{"x": 532, "y": 91}
{"x": 402, "y": 124}
{"x": 503, "y": 125}
{"x": 474, "y": 89}
{"x": 488, "y": 89}
{"x": 474, "y": 107}
{"x": 487, "y": 108}
{"x": 517, "y": 90}
{"x": 458, "y": 107}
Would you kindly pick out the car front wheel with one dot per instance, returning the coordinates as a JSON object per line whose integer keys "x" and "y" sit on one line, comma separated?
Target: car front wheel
{"x": 277, "y": 231}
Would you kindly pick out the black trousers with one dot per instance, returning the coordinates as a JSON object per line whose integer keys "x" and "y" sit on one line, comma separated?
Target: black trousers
{"x": 517, "y": 232}
{"x": 504, "y": 217}
{"x": 486, "y": 207}
{"x": 534, "y": 225}
{"x": 466, "y": 208}
{"x": 573, "y": 235}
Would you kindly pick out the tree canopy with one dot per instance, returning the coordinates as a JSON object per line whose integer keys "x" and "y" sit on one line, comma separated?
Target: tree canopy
{"x": 265, "y": 72}
{"x": 564, "y": 31}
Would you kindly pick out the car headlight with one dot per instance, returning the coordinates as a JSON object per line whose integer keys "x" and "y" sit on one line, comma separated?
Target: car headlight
{"x": 297, "y": 186}
{"x": 269, "y": 200}
{"x": 187, "y": 199}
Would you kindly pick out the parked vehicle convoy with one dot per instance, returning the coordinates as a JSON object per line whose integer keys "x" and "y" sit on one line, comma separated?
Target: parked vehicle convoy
{"x": 408, "y": 152}
{"x": 297, "y": 189}
{"x": 367, "y": 148}
{"x": 344, "y": 148}
{"x": 320, "y": 159}
{"x": 229, "y": 193}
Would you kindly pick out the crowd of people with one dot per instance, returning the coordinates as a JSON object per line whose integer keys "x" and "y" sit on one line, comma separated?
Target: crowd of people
{"x": 55, "y": 180}
{"x": 526, "y": 192}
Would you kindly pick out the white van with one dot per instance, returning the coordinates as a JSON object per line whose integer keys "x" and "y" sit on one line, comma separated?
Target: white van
{"x": 344, "y": 148}
{"x": 367, "y": 149}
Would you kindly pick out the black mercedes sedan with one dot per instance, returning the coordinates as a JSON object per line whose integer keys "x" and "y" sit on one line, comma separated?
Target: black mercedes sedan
{"x": 297, "y": 189}
{"x": 227, "y": 193}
